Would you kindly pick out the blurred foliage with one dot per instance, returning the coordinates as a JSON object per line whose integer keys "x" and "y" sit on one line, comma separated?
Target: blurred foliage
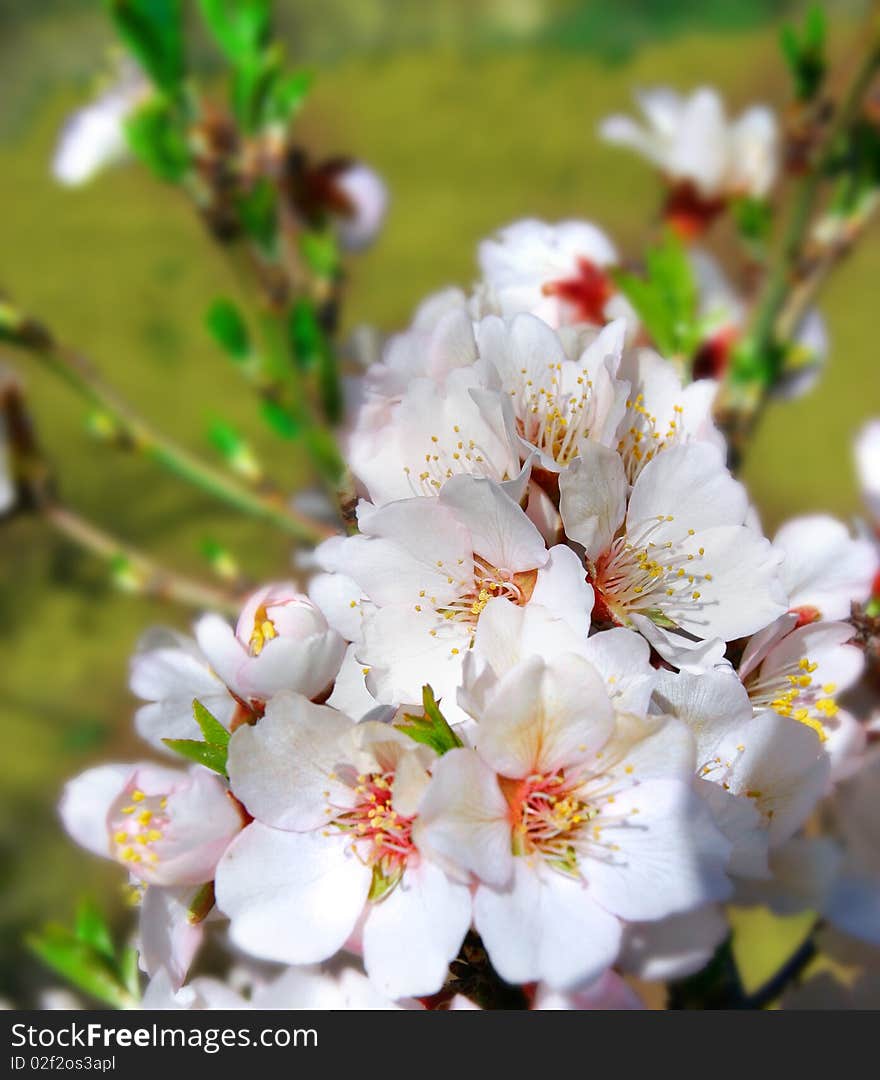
{"x": 477, "y": 113}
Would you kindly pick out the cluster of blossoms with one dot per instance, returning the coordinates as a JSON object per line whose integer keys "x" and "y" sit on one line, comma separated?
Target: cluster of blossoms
{"x": 557, "y": 688}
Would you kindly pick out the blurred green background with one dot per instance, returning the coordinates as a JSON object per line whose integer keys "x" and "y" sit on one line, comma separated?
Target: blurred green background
{"x": 477, "y": 112}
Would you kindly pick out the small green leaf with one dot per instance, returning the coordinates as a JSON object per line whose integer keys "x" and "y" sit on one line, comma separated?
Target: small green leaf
{"x": 226, "y": 325}
{"x": 756, "y": 367}
{"x": 155, "y": 137}
{"x": 659, "y": 619}
{"x": 305, "y": 334}
{"x": 432, "y": 729}
{"x": 153, "y": 31}
{"x": 82, "y": 965}
{"x": 210, "y": 726}
{"x": 240, "y": 27}
{"x": 257, "y": 210}
{"x": 382, "y": 882}
{"x": 313, "y": 352}
{"x": 129, "y": 970}
{"x": 666, "y": 298}
{"x": 213, "y": 751}
{"x": 321, "y": 251}
{"x": 754, "y": 219}
{"x": 212, "y": 757}
{"x": 221, "y": 559}
{"x": 91, "y": 929}
{"x": 280, "y": 420}
{"x": 201, "y": 904}
{"x": 125, "y": 575}
{"x": 253, "y": 87}
{"x": 804, "y": 53}
{"x": 288, "y": 96}
{"x": 235, "y": 450}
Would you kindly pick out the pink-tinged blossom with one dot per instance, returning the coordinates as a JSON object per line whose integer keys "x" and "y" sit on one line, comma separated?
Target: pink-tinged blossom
{"x": 761, "y": 773}
{"x": 169, "y": 672}
{"x": 428, "y": 568}
{"x": 798, "y": 671}
{"x": 333, "y": 849}
{"x": 572, "y": 818}
{"x": 673, "y": 554}
{"x": 824, "y": 569}
{"x": 168, "y": 829}
{"x": 281, "y": 642}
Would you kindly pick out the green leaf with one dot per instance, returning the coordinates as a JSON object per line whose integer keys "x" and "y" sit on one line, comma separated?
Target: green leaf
{"x": 129, "y": 970}
{"x": 666, "y": 298}
{"x": 210, "y": 726}
{"x": 221, "y": 559}
{"x": 258, "y": 213}
{"x": 234, "y": 448}
{"x": 156, "y": 138}
{"x": 153, "y": 31}
{"x": 321, "y": 252}
{"x": 804, "y": 53}
{"x": 82, "y": 965}
{"x": 382, "y": 882}
{"x": 91, "y": 929}
{"x": 213, "y": 751}
{"x": 212, "y": 757}
{"x": 754, "y": 219}
{"x": 280, "y": 420}
{"x": 756, "y": 367}
{"x": 253, "y": 86}
{"x": 287, "y": 97}
{"x": 306, "y": 336}
{"x": 226, "y": 325}
{"x": 432, "y": 729}
{"x": 201, "y": 904}
{"x": 240, "y": 27}
{"x": 659, "y": 619}
{"x": 313, "y": 351}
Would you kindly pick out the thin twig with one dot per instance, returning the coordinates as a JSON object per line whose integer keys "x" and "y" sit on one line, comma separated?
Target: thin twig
{"x": 748, "y": 395}
{"x": 139, "y": 573}
{"x": 803, "y": 204}
{"x": 79, "y": 374}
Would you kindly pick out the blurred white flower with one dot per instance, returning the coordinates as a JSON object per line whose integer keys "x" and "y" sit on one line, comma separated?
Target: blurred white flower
{"x": 94, "y": 137}
{"x": 365, "y": 197}
{"x": 557, "y": 272}
{"x": 691, "y": 140}
{"x": 868, "y": 465}
{"x": 824, "y": 569}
